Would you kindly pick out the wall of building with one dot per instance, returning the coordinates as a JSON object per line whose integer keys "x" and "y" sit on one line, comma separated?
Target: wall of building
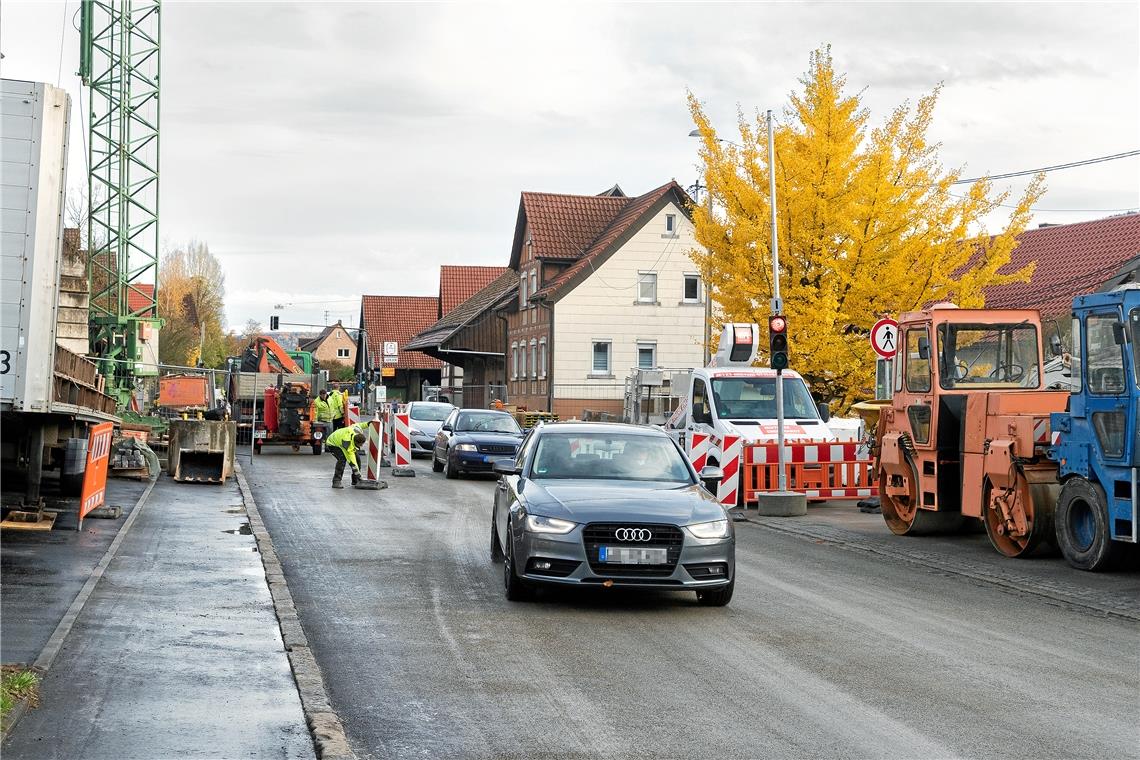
{"x": 338, "y": 339}
{"x": 605, "y": 307}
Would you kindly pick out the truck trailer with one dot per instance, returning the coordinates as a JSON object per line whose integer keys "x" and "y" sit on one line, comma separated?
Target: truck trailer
{"x": 49, "y": 391}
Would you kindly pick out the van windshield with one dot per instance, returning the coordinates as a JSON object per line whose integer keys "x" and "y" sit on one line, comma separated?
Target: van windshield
{"x": 754, "y": 398}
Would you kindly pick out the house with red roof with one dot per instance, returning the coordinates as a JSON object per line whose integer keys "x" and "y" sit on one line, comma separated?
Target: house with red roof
{"x": 1070, "y": 260}
{"x": 605, "y": 287}
{"x": 390, "y": 322}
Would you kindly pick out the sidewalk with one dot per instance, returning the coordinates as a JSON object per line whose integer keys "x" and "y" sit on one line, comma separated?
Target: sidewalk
{"x": 44, "y": 571}
{"x": 177, "y": 653}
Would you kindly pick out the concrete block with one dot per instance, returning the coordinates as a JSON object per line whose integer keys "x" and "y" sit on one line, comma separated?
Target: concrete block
{"x": 781, "y": 504}
{"x": 371, "y": 485}
{"x": 403, "y": 472}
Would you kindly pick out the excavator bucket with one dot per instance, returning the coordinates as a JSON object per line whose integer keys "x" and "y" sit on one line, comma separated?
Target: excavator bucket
{"x": 201, "y": 451}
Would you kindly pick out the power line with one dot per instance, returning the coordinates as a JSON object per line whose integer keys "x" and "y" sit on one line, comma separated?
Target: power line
{"x": 1055, "y": 167}
{"x": 1058, "y": 210}
{"x": 62, "y": 34}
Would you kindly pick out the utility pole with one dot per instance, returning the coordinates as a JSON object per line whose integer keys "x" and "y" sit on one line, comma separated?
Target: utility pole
{"x": 779, "y": 503}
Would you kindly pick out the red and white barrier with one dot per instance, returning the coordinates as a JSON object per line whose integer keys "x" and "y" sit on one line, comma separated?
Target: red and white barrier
{"x": 698, "y": 450}
{"x": 819, "y": 470}
{"x": 730, "y": 463}
{"x": 351, "y": 416}
{"x": 373, "y": 453}
{"x": 402, "y": 437}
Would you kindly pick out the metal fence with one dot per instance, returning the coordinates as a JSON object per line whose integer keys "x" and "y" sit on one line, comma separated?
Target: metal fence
{"x": 468, "y": 396}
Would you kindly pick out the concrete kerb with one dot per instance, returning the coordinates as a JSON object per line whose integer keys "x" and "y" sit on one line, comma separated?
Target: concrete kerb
{"x": 324, "y": 724}
{"x": 54, "y": 644}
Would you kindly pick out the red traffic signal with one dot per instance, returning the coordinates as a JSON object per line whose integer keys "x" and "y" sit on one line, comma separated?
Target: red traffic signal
{"x": 778, "y": 341}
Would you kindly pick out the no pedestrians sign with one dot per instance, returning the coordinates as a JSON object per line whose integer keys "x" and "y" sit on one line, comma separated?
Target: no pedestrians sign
{"x": 885, "y": 337}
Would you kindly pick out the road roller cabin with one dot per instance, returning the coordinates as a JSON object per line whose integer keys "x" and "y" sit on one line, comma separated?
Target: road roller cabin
{"x": 967, "y": 431}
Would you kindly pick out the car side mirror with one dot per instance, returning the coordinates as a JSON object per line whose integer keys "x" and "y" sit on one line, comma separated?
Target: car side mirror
{"x": 1055, "y": 346}
{"x": 1118, "y": 334}
{"x": 446, "y": 427}
{"x": 924, "y": 347}
{"x": 710, "y": 476}
{"x": 700, "y": 414}
{"x": 824, "y": 411}
{"x": 506, "y": 467}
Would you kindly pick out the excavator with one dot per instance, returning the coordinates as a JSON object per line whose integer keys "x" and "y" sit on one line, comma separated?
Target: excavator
{"x": 263, "y": 354}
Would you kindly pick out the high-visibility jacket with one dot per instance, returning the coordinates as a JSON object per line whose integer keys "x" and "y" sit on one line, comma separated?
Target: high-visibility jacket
{"x": 323, "y": 409}
{"x": 343, "y": 440}
{"x": 336, "y": 404}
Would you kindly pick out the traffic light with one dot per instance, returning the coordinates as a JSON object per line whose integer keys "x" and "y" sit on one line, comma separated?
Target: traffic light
{"x": 274, "y": 322}
{"x": 778, "y": 341}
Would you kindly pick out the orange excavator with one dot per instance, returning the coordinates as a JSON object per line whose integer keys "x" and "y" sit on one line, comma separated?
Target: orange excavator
{"x": 263, "y": 354}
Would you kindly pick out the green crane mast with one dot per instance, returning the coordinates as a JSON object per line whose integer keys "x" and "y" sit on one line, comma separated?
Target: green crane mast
{"x": 119, "y": 65}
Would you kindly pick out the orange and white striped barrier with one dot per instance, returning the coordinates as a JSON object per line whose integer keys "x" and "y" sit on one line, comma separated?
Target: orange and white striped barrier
{"x": 730, "y": 462}
{"x": 95, "y": 476}
{"x": 386, "y": 442}
{"x": 402, "y": 436}
{"x": 819, "y": 470}
{"x": 372, "y": 451}
{"x": 351, "y": 416}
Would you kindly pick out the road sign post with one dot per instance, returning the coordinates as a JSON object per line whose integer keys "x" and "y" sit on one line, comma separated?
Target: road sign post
{"x": 885, "y": 341}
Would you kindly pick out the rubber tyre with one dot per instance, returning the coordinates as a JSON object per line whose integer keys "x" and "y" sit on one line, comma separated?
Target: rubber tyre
{"x": 716, "y": 597}
{"x": 450, "y": 471}
{"x": 436, "y": 465}
{"x": 318, "y": 448}
{"x": 515, "y": 587}
{"x": 496, "y": 548}
{"x": 1083, "y": 531}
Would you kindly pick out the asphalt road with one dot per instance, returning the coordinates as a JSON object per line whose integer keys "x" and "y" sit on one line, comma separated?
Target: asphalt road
{"x": 824, "y": 652}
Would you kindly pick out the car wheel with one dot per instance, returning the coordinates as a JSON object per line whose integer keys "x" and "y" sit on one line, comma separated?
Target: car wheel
{"x": 716, "y": 597}
{"x": 436, "y": 465}
{"x": 496, "y": 548}
{"x": 516, "y": 589}
{"x": 450, "y": 471}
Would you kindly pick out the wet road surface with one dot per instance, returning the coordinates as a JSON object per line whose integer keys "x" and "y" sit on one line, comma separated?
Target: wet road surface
{"x": 824, "y": 652}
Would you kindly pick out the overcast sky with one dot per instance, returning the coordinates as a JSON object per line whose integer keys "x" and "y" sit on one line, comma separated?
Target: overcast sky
{"x": 325, "y": 150}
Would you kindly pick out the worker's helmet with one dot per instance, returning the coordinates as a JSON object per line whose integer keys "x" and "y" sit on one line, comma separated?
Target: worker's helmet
{"x": 359, "y": 439}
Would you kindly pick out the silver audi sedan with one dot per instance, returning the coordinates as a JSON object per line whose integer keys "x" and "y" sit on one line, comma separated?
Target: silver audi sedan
{"x": 603, "y": 505}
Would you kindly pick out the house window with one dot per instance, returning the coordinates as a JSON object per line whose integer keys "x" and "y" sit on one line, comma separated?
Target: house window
{"x": 522, "y": 360}
{"x": 601, "y": 363}
{"x": 542, "y": 357}
{"x": 670, "y": 222}
{"x": 342, "y": 353}
{"x": 515, "y": 361}
{"x": 647, "y": 287}
{"x": 534, "y": 282}
{"x": 692, "y": 292}
{"x": 533, "y": 357}
{"x": 646, "y": 355}
{"x": 522, "y": 291}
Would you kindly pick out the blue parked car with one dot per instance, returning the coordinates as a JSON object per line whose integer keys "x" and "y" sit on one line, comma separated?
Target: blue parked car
{"x": 472, "y": 440}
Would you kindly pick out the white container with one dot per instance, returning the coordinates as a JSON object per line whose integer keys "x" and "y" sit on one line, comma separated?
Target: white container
{"x": 34, "y": 120}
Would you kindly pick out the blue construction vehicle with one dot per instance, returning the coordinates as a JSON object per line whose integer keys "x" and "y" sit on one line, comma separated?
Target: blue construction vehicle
{"x": 1096, "y": 443}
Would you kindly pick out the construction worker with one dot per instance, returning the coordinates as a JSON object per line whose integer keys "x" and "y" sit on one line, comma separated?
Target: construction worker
{"x": 322, "y": 413}
{"x": 337, "y": 406}
{"x": 343, "y": 444}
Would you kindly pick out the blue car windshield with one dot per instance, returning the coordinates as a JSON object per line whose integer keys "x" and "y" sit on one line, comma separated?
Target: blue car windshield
{"x": 486, "y": 422}
{"x": 581, "y": 456}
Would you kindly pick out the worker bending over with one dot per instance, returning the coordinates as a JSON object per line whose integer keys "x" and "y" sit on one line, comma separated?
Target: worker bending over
{"x": 343, "y": 444}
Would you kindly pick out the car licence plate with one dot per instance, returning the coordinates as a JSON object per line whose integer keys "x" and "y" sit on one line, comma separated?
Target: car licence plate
{"x": 625, "y": 555}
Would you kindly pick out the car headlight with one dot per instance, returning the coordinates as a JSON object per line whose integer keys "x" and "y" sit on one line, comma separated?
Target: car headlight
{"x": 416, "y": 431}
{"x": 539, "y": 524}
{"x": 714, "y": 529}
{"x": 466, "y": 447}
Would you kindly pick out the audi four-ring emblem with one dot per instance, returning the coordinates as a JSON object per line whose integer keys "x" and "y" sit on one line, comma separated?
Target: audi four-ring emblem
{"x": 633, "y": 534}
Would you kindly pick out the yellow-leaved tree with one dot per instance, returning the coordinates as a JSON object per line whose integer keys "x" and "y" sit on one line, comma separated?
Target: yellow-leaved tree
{"x": 869, "y": 224}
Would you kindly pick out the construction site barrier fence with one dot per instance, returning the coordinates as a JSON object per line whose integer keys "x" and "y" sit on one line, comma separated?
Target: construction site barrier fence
{"x": 819, "y": 470}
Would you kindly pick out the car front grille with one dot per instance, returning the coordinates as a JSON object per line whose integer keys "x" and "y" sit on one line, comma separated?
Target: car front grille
{"x": 496, "y": 448}
{"x": 669, "y": 537}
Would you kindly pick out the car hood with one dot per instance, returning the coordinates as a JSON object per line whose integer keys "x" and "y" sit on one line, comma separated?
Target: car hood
{"x": 610, "y": 501}
{"x": 425, "y": 426}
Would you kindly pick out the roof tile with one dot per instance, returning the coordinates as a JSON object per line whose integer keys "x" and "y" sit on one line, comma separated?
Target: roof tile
{"x": 398, "y": 318}
{"x": 458, "y": 283}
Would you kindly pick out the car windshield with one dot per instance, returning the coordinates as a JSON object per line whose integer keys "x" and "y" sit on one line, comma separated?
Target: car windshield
{"x": 1134, "y": 320}
{"x": 582, "y": 456}
{"x": 430, "y": 412}
{"x": 754, "y": 398}
{"x": 1003, "y": 356}
{"x": 486, "y": 422}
